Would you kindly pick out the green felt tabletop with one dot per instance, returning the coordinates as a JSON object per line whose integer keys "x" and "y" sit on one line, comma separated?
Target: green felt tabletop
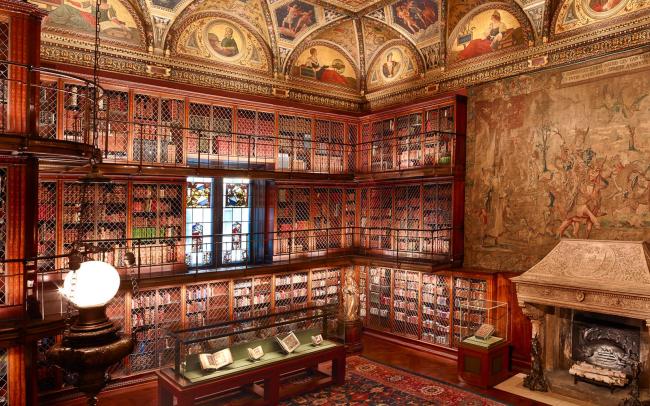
{"x": 241, "y": 362}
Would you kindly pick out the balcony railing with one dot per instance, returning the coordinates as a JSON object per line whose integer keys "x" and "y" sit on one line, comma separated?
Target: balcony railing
{"x": 154, "y": 256}
{"x": 398, "y": 153}
{"x": 432, "y": 244}
{"x": 28, "y": 105}
{"x": 185, "y": 147}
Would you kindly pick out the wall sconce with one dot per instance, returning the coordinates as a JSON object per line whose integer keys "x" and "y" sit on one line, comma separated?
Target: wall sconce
{"x": 92, "y": 343}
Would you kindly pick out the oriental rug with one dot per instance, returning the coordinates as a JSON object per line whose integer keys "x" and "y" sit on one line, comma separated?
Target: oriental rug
{"x": 372, "y": 383}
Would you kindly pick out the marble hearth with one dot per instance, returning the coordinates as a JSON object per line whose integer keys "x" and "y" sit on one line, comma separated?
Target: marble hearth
{"x": 590, "y": 293}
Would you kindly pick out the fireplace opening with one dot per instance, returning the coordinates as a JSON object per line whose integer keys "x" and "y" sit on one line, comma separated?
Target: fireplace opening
{"x": 604, "y": 348}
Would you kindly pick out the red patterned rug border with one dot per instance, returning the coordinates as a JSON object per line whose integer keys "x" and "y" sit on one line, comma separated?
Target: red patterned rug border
{"x": 418, "y": 387}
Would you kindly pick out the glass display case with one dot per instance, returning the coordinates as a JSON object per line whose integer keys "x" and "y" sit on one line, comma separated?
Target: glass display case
{"x": 482, "y": 323}
{"x": 217, "y": 350}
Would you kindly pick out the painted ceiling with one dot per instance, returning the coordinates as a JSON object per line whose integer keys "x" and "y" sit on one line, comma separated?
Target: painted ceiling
{"x": 340, "y": 48}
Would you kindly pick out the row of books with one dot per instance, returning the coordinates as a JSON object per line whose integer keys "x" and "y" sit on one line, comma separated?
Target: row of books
{"x": 437, "y": 299}
{"x": 288, "y": 294}
{"x": 411, "y": 294}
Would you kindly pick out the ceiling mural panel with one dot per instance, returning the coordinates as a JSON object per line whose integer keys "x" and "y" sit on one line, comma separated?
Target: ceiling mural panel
{"x": 224, "y": 41}
{"x": 395, "y": 63}
{"x": 484, "y": 32}
{"x": 457, "y": 9}
{"x": 293, "y": 20}
{"x": 325, "y": 65}
{"x": 577, "y": 14}
{"x": 344, "y": 35}
{"x": 418, "y": 19}
{"x": 250, "y": 11}
{"x": 376, "y": 35}
{"x": 118, "y": 20}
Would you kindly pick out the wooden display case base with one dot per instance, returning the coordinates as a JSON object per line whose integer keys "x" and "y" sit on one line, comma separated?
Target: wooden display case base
{"x": 484, "y": 367}
{"x": 352, "y": 333}
{"x": 270, "y": 392}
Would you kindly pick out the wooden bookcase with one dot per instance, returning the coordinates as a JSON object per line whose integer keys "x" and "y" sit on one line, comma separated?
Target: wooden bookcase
{"x": 113, "y": 115}
{"x": 158, "y": 135}
{"x": 407, "y": 219}
{"x": 312, "y": 220}
{"x": 47, "y": 225}
{"x": 419, "y": 306}
{"x": 255, "y": 135}
{"x": 429, "y": 134}
{"x": 153, "y": 311}
{"x": 157, "y": 218}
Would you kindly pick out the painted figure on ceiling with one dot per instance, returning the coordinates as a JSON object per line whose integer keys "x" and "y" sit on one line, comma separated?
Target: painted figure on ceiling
{"x": 390, "y": 68}
{"x": 415, "y": 15}
{"x": 226, "y": 46}
{"x": 294, "y": 18}
{"x": 491, "y": 39}
{"x": 326, "y": 73}
{"x": 601, "y": 6}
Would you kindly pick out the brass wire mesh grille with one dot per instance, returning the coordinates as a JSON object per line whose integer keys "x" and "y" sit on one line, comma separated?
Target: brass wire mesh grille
{"x": 47, "y": 110}
{"x": 4, "y": 378}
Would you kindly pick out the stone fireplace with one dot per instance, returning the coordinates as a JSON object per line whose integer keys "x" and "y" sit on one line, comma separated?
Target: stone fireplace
{"x": 589, "y": 305}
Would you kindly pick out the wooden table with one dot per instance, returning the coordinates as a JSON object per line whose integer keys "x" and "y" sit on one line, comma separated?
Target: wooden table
{"x": 171, "y": 386}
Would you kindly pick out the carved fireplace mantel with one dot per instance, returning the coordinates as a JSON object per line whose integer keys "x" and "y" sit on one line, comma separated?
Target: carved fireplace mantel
{"x": 609, "y": 277}
{"x": 606, "y": 284}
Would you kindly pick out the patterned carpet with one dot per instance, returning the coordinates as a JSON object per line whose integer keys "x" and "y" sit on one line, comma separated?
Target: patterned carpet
{"x": 371, "y": 383}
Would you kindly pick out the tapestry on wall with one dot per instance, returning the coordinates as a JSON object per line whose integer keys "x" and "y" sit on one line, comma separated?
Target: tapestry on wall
{"x": 557, "y": 154}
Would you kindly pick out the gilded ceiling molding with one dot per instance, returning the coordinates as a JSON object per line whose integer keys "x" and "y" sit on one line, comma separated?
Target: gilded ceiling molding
{"x": 585, "y": 19}
{"x": 358, "y": 27}
{"x": 142, "y": 11}
{"x": 277, "y": 60}
{"x": 374, "y": 7}
{"x": 339, "y": 9}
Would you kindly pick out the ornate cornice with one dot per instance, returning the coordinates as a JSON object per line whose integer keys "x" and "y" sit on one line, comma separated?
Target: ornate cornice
{"x": 632, "y": 34}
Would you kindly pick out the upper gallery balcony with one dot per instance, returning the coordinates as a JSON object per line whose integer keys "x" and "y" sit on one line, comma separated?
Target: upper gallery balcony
{"x": 28, "y": 122}
{"x": 181, "y": 135}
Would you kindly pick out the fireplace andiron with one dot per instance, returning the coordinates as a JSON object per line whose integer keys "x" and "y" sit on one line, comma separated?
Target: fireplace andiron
{"x": 536, "y": 381}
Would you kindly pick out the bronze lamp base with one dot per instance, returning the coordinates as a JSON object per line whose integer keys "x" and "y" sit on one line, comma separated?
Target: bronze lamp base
{"x": 88, "y": 349}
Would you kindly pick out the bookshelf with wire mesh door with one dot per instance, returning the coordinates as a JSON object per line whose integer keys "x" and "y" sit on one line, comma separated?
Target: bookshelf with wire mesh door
{"x": 422, "y": 306}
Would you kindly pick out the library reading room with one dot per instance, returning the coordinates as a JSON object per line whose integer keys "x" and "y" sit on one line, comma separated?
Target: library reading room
{"x": 324, "y": 202}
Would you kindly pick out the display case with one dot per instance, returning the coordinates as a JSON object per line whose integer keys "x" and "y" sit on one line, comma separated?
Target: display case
{"x": 261, "y": 331}
{"x": 482, "y": 322}
{"x": 209, "y": 362}
{"x": 483, "y": 352}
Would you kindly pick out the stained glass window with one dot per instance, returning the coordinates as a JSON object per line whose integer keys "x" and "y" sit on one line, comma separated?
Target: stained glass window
{"x": 198, "y": 227}
{"x": 236, "y": 221}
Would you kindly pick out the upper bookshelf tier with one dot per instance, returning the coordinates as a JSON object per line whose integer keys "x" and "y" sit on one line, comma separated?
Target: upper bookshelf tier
{"x": 159, "y": 131}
